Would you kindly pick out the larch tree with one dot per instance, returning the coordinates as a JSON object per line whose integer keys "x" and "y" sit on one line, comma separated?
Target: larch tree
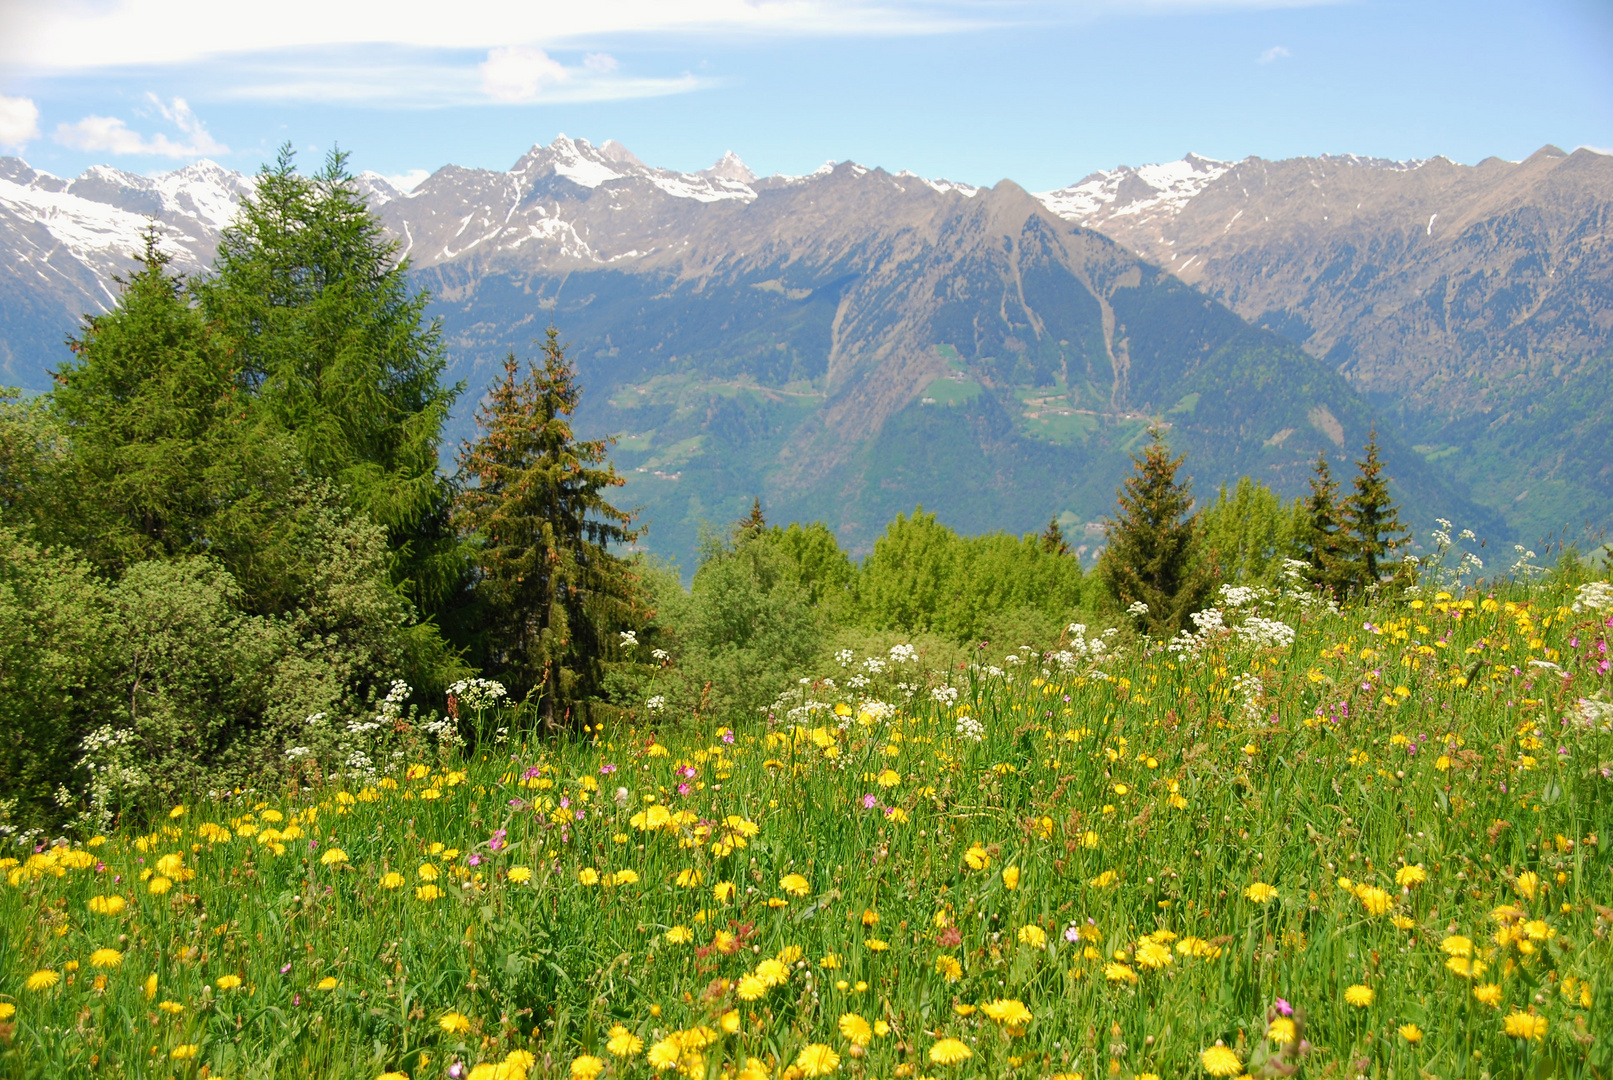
{"x": 1151, "y": 565}
{"x": 534, "y": 506}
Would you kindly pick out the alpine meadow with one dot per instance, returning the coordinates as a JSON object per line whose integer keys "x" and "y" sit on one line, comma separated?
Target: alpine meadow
{"x": 413, "y": 670}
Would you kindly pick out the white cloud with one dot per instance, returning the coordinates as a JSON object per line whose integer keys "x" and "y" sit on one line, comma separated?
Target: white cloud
{"x": 1276, "y": 52}
{"x": 19, "y": 121}
{"x": 519, "y": 73}
{"x": 109, "y": 134}
{"x": 603, "y": 63}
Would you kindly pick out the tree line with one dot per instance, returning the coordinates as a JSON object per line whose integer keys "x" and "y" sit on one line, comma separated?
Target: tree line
{"x": 228, "y": 551}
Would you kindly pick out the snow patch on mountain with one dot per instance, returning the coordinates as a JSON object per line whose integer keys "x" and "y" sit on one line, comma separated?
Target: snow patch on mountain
{"x": 1126, "y": 191}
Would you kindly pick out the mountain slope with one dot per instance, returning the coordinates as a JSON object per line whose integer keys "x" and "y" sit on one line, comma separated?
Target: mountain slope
{"x": 1475, "y": 303}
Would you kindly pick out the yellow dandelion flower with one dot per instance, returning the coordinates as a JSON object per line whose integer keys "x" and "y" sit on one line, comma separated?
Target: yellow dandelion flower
{"x": 1103, "y": 880}
{"x": 1011, "y": 1013}
{"x": 773, "y": 972}
{"x": 794, "y": 884}
{"x": 723, "y": 891}
{"x": 1411, "y": 1033}
{"x": 172, "y": 1008}
{"x": 520, "y": 874}
{"x": 586, "y": 1067}
{"x": 589, "y": 876}
{"x": 428, "y": 872}
{"x": 948, "y": 968}
{"x": 1360, "y": 996}
{"x": 1408, "y": 876}
{"x": 105, "y": 958}
{"x": 1034, "y": 936}
{"x": 43, "y": 980}
{"x": 1489, "y": 993}
{"x": 107, "y": 905}
{"x": 1261, "y": 893}
{"x": 228, "y": 982}
{"x": 729, "y": 1021}
{"x": 679, "y": 935}
{"x": 855, "y": 1029}
{"x": 1522, "y": 1025}
{"x": 977, "y": 857}
{"x": 1281, "y": 1031}
{"x": 950, "y": 1052}
{"x": 327, "y": 983}
{"x": 1374, "y": 899}
{"x": 787, "y": 955}
{"x": 1010, "y": 877}
{"x": 333, "y": 856}
{"x": 184, "y": 1052}
{"x": 750, "y": 988}
{"x": 1117, "y": 972}
{"x": 159, "y": 885}
{"x": 427, "y": 893}
{"x": 454, "y": 1023}
{"x": 392, "y": 880}
{"x": 1527, "y": 884}
{"x": 817, "y": 1059}
{"x": 1154, "y": 954}
{"x": 623, "y": 1043}
{"x": 876, "y": 945}
{"x": 150, "y": 986}
{"x": 1219, "y": 1060}
{"x": 665, "y": 1054}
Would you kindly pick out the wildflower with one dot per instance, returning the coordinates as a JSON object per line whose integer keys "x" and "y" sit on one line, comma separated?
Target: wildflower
{"x": 589, "y": 876}
{"x": 679, "y": 935}
{"x": 1281, "y": 1031}
{"x": 1010, "y": 877}
{"x": 427, "y": 893}
{"x": 963, "y": 1009}
{"x": 1034, "y": 936}
{"x": 977, "y": 857}
{"x": 1153, "y": 955}
{"x": 1261, "y": 893}
{"x": 1218, "y": 1060}
{"x": 159, "y": 884}
{"x": 106, "y": 905}
{"x": 1411, "y": 1033}
{"x": 948, "y": 968}
{"x": 520, "y": 874}
{"x": 184, "y": 1052}
{"x": 392, "y": 880}
{"x": 1521, "y": 1025}
{"x": 586, "y": 1067}
{"x": 428, "y": 872}
{"x": 43, "y": 980}
{"x": 327, "y": 983}
{"x": 723, "y": 891}
{"x": 816, "y": 1059}
{"x": 1010, "y": 1013}
{"x": 950, "y": 1052}
{"x": 393, "y": 1076}
{"x": 622, "y": 877}
{"x": 876, "y": 945}
{"x": 1408, "y": 876}
{"x": 1118, "y": 972}
{"x": 1103, "y": 880}
{"x": 172, "y": 1008}
{"x": 774, "y": 972}
{"x": 332, "y": 857}
{"x": 1527, "y": 884}
{"x": 1374, "y": 899}
{"x": 750, "y": 988}
{"x": 665, "y": 1054}
{"x": 623, "y": 1043}
{"x": 856, "y": 1029}
{"x": 794, "y": 884}
{"x": 1457, "y": 945}
{"x": 228, "y": 982}
{"x": 105, "y": 958}
{"x": 454, "y": 1023}
{"x": 689, "y": 878}
{"x": 730, "y": 1021}
{"x": 1489, "y": 993}
{"x": 1359, "y": 996}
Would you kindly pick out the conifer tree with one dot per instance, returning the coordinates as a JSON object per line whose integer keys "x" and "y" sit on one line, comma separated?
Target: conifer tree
{"x": 1323, "y": 542}
{"x": 1152, "y": 554}
{"x": 753, "y": 523}
{"x": 535, "y": 506}
{"x": 1052, "y": 539}
{"x": 150, "y": 404}
{"x": 336, "y": 352}
{"x": 1372, "y": 519}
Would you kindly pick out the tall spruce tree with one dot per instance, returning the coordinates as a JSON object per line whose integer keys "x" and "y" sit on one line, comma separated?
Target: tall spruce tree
{"x": 1323, "y": 543}
{"x": 154, "y": 416}
{"x": 1152, "y": 554}
{"x": 1052, "y": 539}
{"x": 535, "y": 506}
{"x": 1372, "y": 520}
{"x": 336, "y": 351}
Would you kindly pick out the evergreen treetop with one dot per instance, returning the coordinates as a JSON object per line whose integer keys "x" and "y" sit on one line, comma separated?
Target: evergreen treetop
{"x": 1372, "y": 518}
{"x": 1152, "y": 555}
{"x": 1052, "y": 539}
{"x": 535, "y": 507}
{"x": 1323, "y": 543}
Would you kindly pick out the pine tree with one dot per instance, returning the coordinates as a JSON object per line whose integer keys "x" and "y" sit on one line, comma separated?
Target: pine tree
{"x": 536, "y": 508}
{"x": 1152, "y": 553}
{"x": 753, "y": 523}
{"x": 1372, "y": 520}
{"x": 1052, "y": 539}
{"x": 336, "y": 351}
{"x": 1323, "y": 542}
{"x": 150, "y": 404}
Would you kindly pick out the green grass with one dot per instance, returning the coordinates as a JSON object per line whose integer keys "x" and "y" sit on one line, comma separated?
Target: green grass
{"x": 1134, "y": 793}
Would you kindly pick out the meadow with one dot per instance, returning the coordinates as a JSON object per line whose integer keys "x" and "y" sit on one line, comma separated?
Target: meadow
{"x": 1299, "y": 841}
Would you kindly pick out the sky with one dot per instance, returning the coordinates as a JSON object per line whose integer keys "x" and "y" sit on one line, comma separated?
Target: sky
{"x": 1043, "y": 92}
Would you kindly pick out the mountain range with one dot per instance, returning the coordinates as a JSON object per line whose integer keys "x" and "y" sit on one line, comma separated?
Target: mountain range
{"x": 854, "y": 342}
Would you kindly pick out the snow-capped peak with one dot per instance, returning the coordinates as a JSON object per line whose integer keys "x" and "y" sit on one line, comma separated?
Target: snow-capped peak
{"x": 1126, "y": 191}
{"x": 729, "y": 167}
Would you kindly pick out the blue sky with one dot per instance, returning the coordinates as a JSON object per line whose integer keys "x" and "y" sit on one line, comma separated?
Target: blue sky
{"x": 973, "y": 90}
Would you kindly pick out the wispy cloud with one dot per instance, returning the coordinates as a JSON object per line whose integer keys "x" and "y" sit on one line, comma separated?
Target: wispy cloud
{"x": 1276, "y": 52}
{"x": 111, "y": 135}
{"x": 19, "y": 121}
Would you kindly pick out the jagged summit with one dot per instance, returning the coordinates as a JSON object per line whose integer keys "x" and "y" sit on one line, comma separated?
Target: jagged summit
{"x": 729, "y": 167}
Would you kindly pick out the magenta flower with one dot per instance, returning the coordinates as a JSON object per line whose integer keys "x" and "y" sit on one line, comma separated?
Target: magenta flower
{"x": 869, "y": 802}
